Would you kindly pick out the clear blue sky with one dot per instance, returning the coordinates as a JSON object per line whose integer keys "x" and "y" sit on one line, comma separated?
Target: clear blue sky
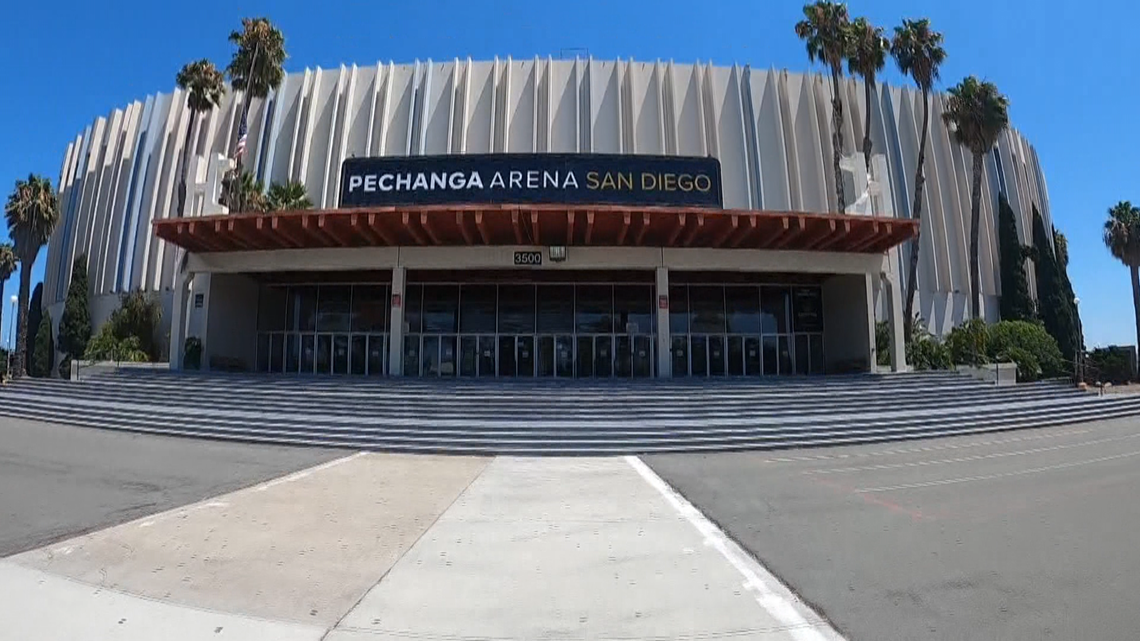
{"x": 1069, "y": 74}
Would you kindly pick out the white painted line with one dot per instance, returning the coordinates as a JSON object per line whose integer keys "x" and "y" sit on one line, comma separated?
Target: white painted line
{"x": 773, "y": 596}
{"x": 1002, "y": 475}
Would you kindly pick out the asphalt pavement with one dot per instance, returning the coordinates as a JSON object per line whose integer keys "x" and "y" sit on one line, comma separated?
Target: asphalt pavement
{"x": 1014, "y": 535}
{"x": 59, "y": 481}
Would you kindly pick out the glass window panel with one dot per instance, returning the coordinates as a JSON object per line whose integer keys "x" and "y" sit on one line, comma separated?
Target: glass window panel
{"x": 302, "y": 309}
{"x": 477, "y": 309}
{"x": 564, "y": 356}
{"x": 271, "y": 306}
{"x": 430, "y": 356}
{"x": 340, "y": 354}
{"x": 308, "y": 353}
{"x": 263, "y": 352}
{"x": 487, "y": 355}
{"x": 334, "y": 308}
{"x": 735, "y": 355}
{"x": 468, "y": 346}
{"x": 623, "y": 357}
{"x": 808, "y": 305}
{"x": 370, "y": 307}
{"x": 642, "y": 356}
{"x": 324, "y": 353}
{"x": 359, "y": 354}
{"x": 376, "y": 350}
{"x": 516, "y": 309}
{"x": 716, "y": 355}
{"x": 815, "y": 358}
{"x": 633, "y": 309}
{"x": 292, "y": 352}
{"x": 412, "y": 355}
{"x": 441, "y": 308}
{"x": 507, "y": 348}
{"x": 604, "y": 356}
{"x": 585, "y": 356}
{"x": 277, "y": 353}
{"x": 680, "y": 350}
{"x": 593, "y": 310}
{"x": 801, "y": 354}
{"x": 700, "y": 355}
{"x": 770, "y": 361}
{"x": 546, "y": 356}
{"x": 752, "y": 356}
{"x": 743, "y": 307}
{"x": 775, "y": 303}
{"x": 413, "y": 308}
{"x": 447, "y": 356}
{"x": 555, "y": 308}
{"x": 678, "y": 310}
{"x": 785, "y": 355}
{"x": 706, "y": 304}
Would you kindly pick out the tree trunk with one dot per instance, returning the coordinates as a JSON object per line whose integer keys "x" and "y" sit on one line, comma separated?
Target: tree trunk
{"x": 19, "y": 364}
{"x": 867, "y": 129}
{"x": 837, "y": 139}
{"x": 185, "y": 163}
{"x": 975, "y": 219}
{"x": 1135, "y": 269}
{"x": 916, "y": 214}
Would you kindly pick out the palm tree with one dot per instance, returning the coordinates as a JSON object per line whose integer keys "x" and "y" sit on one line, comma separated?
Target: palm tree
{"x": 1122, "y": 237}
{"x": 7, "y": 268}
{"x": 918, "y": 52}
{"x": 205, "y": 86}
{"x": 247, "y": 192}
{"x": 826, "y": 28}
{"x": 32, "y": 212}
{"x": 867, "y": 57}
{"x": 257, "y": 65}
{"x": 977, "y": 113}
{"x": 287, "y": 197}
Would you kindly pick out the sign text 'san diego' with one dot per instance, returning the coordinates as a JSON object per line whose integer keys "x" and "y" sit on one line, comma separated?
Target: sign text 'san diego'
{"x": 531, "y": 178}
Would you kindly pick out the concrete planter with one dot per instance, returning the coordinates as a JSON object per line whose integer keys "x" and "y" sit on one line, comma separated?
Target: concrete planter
{"x": 996, "y": 373}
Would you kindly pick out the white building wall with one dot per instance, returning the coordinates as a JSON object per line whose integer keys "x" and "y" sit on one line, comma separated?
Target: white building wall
{"x": 769, "y": 128}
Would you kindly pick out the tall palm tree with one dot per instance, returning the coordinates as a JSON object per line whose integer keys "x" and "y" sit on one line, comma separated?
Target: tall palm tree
{"x": 918, "y": 52}
{"x": 867, "y": 58}
{"x": 257, "y": 66}
{"x": 1122, "y": 237}
{"x": 7, "y": 268}
{"x": 826, "y": 29}
{"x": 205, "y": 86}
{"x": 291, "y": 195}
{"x": 32, "y": 212}
{"x": 977, "y": 114}
{"x": 246, "y": 191}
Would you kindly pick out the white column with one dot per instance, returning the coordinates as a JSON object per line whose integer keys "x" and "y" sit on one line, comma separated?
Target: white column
{"x": 396, "y": 328}
{"x": 664, "y": 340}
{"x": 895, "y": 321}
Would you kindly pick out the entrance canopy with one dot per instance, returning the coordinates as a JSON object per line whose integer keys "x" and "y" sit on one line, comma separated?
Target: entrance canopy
{"x": 452, "y": 225}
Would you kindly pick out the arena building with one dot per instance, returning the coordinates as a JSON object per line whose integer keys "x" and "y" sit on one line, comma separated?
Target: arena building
{"x": 561, "y": 218}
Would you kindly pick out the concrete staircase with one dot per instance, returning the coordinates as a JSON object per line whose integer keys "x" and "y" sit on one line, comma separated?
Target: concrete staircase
{"x": 548, "y": 417}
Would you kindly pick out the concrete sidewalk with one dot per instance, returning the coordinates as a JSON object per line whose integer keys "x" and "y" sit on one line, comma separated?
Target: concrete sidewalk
{"x": 388, "y": 546}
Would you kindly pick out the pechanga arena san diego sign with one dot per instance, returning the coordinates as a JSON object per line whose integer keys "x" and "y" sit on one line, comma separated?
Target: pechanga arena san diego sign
{"x": 573, "y": 179}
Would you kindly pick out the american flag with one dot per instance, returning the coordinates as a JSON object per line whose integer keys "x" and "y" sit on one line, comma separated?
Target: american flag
{"x": 242, "y": 131}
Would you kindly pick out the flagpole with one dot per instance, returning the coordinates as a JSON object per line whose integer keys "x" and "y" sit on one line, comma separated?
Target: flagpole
{"x": 244, "y": 114}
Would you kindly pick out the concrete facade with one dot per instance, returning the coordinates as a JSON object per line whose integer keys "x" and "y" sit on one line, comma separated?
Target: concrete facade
{"x": 768, "y": 128}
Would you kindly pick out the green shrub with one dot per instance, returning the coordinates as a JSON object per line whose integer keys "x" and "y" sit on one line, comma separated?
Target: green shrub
{"x": 924, "y": 351}
{"x": 43, "y": 357}
{"x": 75, "y": 324}
{"x": 108, "y": 347}
{"x": 883, "y": 343}
{"x": 1030, "y": 346}
{"x": 138, "y": 317}
{"x": 192, "y": 353}
{"x": 65, "y": 368}
{"x": 3, "y": 362}
{"x": 1111, "y": 365}
{"x": 967, "y": 343}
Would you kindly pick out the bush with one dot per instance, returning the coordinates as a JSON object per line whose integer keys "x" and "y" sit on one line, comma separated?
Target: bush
{"x": 138, "y": 317}
{"x": 924, "y": 351}
{"x": 3, "y": 362}
{"x": 108, "y": 347}
{"x": 65, "y": 368}
{"x": 967, "y": 343}
{"x": 1111, "y": 365}
{"x": 75, "y": 324}
{"x": 192, "y": 353}
{"x": 1030, "y": 346}
{"x": 43, "y": 357}
{"x": 883, "y": 343}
